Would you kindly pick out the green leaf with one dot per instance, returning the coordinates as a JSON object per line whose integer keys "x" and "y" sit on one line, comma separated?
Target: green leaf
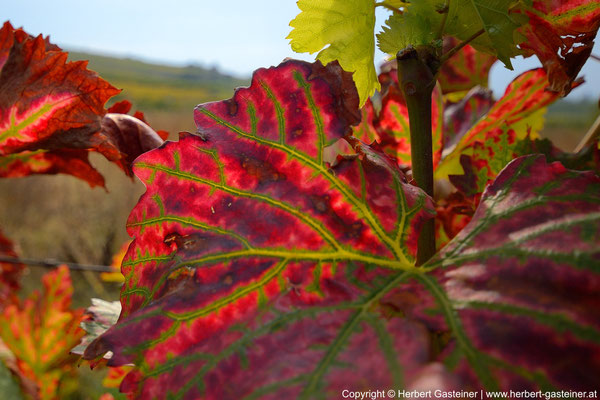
{"x": 402, "y": 30}
{"x": 339, "y": 30}
{"x": 467, "y": 17}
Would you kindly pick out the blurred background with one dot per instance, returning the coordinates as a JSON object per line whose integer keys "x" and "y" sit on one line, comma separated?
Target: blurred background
{"x": 168, "y": 59}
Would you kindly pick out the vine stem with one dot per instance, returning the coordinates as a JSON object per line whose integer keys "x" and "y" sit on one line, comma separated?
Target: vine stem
{"x": 417, "y": 68}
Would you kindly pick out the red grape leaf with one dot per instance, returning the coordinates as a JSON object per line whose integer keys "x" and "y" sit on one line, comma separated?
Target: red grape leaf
{"x": 257, "y": 267}
{"x": 561, "y": 34}
{"x": 51, "y": 108}
{"x": 460, "y": 116}
{"x": 10, "y": 273}
{"x": 519, "y": 285}
{"x": 492, "y": 142}
{"x": 41, "y": 330}
{"x": 466, "y": 69}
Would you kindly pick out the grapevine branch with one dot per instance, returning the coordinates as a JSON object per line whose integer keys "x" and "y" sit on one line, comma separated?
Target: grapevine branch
{"x": 417, "y": 68}
{"x": 55, "y": 263}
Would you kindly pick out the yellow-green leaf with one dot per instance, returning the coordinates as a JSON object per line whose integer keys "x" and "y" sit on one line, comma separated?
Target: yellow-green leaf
{"x": 339, "y": 30}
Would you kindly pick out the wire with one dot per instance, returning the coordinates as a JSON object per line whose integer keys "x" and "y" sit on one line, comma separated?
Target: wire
{"x": 54, "y": 263}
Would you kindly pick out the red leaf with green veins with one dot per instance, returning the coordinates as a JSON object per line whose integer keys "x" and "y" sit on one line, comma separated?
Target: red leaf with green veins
{"x": 256, "y": 267}
{"x": 491, "y": 143}
{"x": 50, "y": 107}
{"x": 519, "y": 285}
{"x": 41, "y": 331}
{"x": 466, "y": 69}
{"x": 561, "y": 34}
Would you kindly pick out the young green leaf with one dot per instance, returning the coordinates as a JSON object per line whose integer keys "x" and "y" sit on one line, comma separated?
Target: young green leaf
{"x": 339, "y": 30}
{"x": 420, "y": 23}
{"x": 255, "y": 262}
{"x": 519, "y": 285}
{"x": 410, "y": 28}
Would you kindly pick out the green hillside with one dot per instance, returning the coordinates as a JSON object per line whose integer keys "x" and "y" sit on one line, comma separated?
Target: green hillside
{"x": 153, "y": 87}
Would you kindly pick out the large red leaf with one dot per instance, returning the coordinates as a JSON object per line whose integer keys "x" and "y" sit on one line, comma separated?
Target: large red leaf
{"x": 41, "y": 331}
{"x": 561, "y": 33}
{"x": 519, "y": 285}
{"x": 255, "y": 267}
{"x": 52, "y": 113}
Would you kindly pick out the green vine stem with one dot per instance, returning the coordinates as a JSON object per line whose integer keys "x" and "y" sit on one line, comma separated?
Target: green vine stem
{"x": 417, "y": 68}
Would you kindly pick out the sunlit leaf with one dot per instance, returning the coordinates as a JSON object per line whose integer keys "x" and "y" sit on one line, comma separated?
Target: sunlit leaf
{"x": 407, "y": 29}
{"x": 41, "y": 331}
{"x": 339, "y": 30}
{"x": 421, "y": 22}
{"x": 255, "y": 267}
{"x": 491, "y": 143}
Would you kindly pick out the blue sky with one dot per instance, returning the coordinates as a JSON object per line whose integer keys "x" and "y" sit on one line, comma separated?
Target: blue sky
{"x": 235, "y": 36}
